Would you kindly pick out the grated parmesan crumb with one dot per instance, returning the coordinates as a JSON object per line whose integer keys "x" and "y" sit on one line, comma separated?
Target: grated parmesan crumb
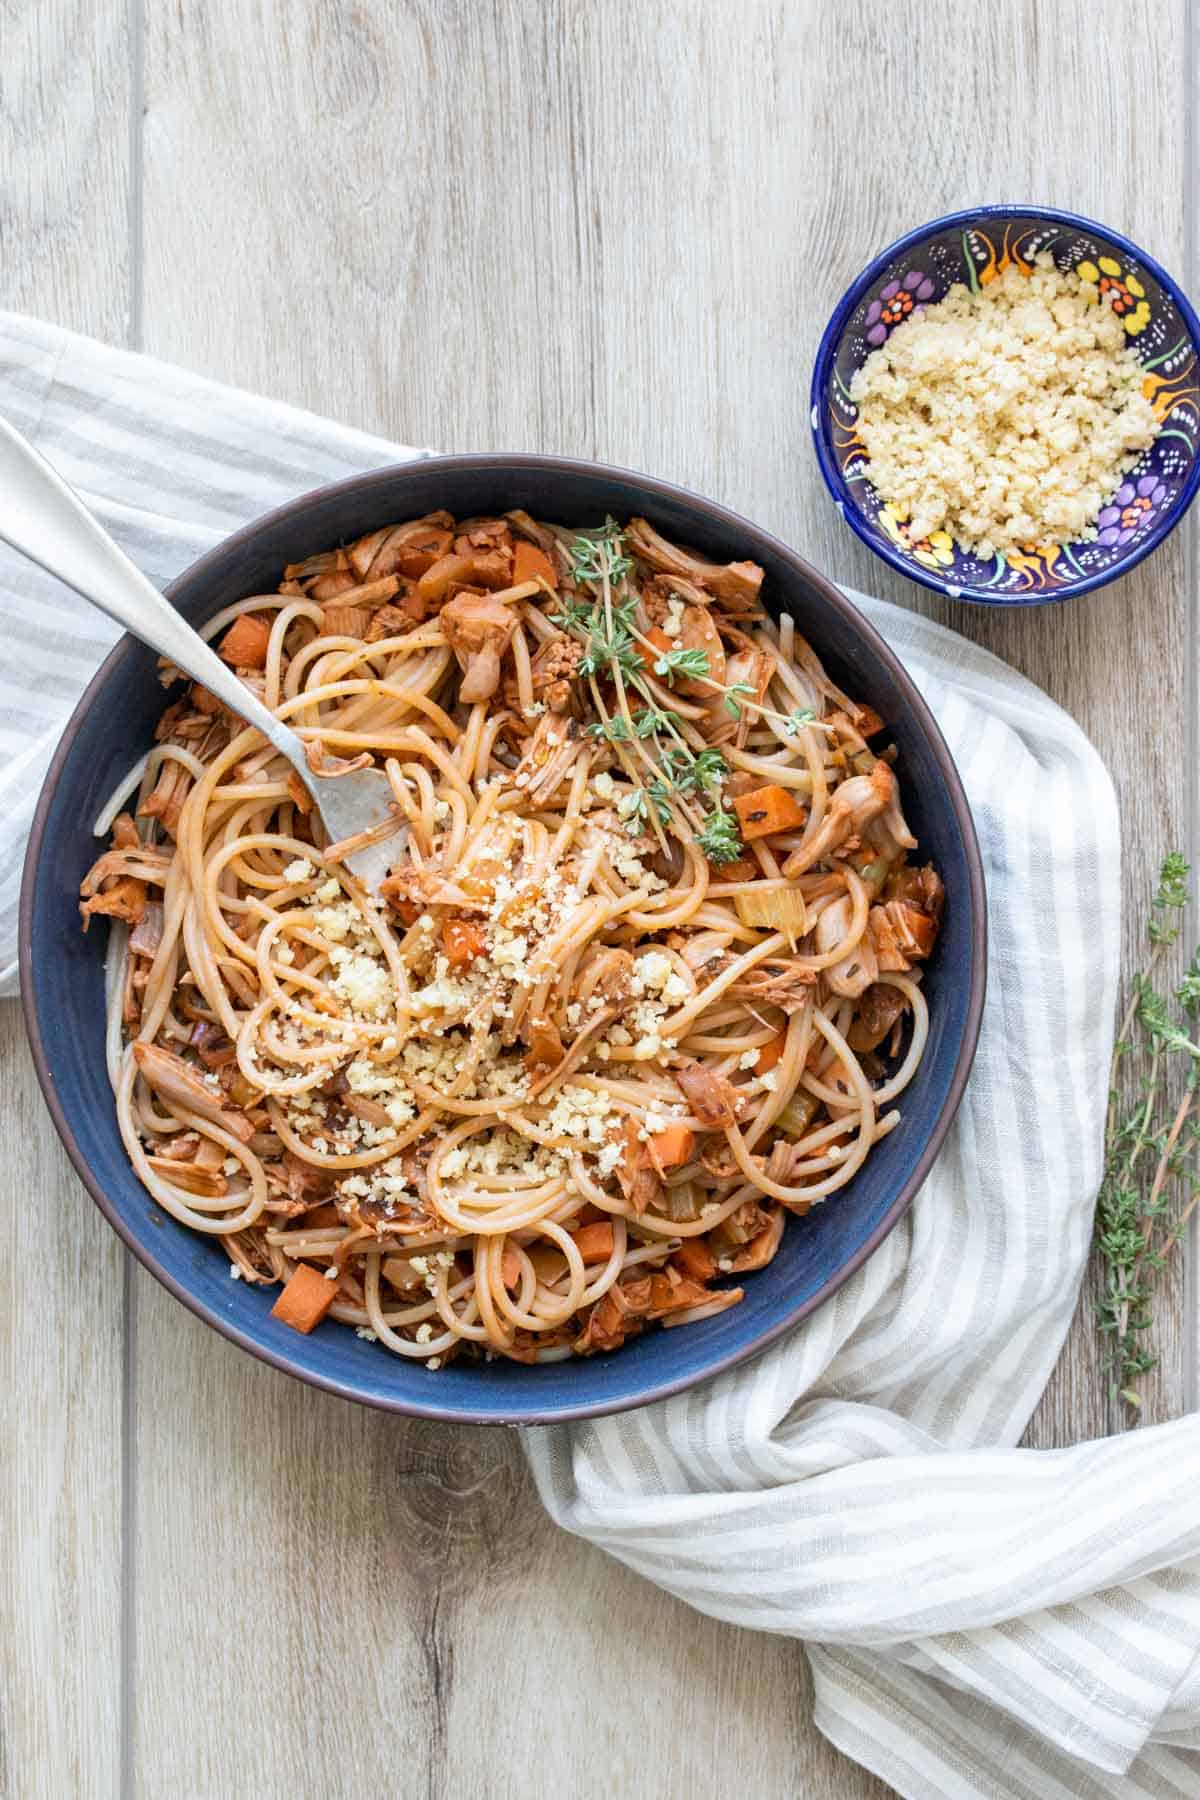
{"x": 1004, "y": 418}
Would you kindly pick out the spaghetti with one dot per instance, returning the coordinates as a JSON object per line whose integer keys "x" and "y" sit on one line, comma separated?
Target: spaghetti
{"x": 643, "y": 979}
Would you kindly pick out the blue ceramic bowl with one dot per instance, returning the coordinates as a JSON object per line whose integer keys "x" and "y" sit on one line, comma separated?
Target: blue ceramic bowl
{"x": 972, "y": 247}
{"x": 63, "y": 982}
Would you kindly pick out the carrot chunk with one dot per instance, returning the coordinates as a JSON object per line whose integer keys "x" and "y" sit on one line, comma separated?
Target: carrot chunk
{"x": 770, "y": 1053}
{"x": 529, "y": 562}
{"x": 696, "y": 1259}
{"x": 306, "y": 1299}
{"x": 422, "y": 550}
{"x": 663, "y": 645}
{"x": 244, "y": 645}
{"x": 595, "y": 1242}
{"x": 668, "y": 1149}
{"x": 510, "y": 1269}
{"x": 318, "y": 1217}
{"x": 462, "y": 941}
{"x": 766, "y": 810}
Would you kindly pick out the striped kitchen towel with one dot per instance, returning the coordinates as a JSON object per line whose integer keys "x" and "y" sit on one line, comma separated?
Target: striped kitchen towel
{"x": 170, "y": 464}
{"x": 982, "y": 1621}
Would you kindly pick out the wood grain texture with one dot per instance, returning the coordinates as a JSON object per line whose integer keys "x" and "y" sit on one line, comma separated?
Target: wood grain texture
{"x": 65, "y": 94}
{"x": 635, "y": 260}
{"x": 61, "y": 1388}
{"x": 608, "y": 227}
{"x": 64, "y": 254}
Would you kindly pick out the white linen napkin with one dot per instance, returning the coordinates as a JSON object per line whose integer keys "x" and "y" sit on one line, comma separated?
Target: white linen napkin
{"x": 981, "y": 1620}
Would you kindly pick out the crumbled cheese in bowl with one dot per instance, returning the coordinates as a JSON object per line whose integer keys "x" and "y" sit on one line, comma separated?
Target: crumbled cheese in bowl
{"x": 1005, "y": 418}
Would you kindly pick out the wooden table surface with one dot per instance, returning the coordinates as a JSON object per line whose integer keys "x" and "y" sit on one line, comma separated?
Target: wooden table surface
{"x": 607, "y": 227}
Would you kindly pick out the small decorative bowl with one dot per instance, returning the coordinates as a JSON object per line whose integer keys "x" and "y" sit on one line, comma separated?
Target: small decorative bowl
{"x": 973, "y": 247}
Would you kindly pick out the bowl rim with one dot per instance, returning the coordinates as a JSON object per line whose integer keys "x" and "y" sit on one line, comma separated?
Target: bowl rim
{"x": 649, "y": 1390}
{"x": 839, "y": 489}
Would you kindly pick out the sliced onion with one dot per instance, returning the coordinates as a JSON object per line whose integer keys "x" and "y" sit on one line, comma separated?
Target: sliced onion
{"x": 774, "y": 906}
{"x": 797, "y": 1116}
{"x": 682, "y": 1202}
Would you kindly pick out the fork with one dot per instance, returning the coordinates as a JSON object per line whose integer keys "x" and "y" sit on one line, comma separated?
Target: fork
{"x": 47, "y": 521}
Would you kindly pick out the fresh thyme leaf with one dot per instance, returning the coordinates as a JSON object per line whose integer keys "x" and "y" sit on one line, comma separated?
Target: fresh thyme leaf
{"x": 651, "y": 721}
{"x": 614, "y": 730}
{"x": 575, "y": 613}
{"x": 597, "y": 556}
{"x": 660, "y": 796}
{"x": 689, "y": 664}
{"x": 710, "y": 770}
{"x": 1171, "y": 895}
{"x": 1173, "y": 881}
{"x": 798, "y": 720}
{"x": 699, "y": 774}
{"x": 1137, "y": 1223}
{"x": 1188, "y": 991}
{"x": 605, "y": 625}
{"x": 631, "y": 808}
{"x": 719, "y": 839}
{"x": 634, "y": 807}
{"x": 674, "y": 765}
{"x": 608, "y": 649}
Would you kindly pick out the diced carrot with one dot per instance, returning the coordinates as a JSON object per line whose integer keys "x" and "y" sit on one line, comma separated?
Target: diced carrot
{"x": 661, "y": 642}
{"x": 306, "y": 1299}
{"x": 244, "y": 645}
{"x": 422, "y": 551}
{"x": 595, "y": 1242}
{"x": 318, "y": 1217}
{"x": 668, "y": 1149}
{"x": 462, "y": 941}
{"x": 766, "y": 810}
{"x": 770, "y": 1053}
{"x": 510, "y": 1269}
{"x": 488, "y": 568}
{"x": 529, "y": 562}
{"x": 696, "y": 1259}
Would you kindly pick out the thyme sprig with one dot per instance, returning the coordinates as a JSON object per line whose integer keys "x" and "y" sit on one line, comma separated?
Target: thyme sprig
{"x": 1139, "y": 1222}
{"x": 676, "y": 777}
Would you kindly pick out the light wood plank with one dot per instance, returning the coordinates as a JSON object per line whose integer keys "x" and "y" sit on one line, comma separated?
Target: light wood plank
{"x": 64, "y": 151}
{"x": 64, "y": 134}
{"x": 615, "y": 231}
{"x": 397, "y": 1591}
{"x": 61, "y": 1383}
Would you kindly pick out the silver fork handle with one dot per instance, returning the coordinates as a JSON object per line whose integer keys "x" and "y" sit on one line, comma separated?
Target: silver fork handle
{"x": 47, "y": 521}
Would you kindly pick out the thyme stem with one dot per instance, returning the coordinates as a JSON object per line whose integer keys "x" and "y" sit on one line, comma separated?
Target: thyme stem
{"x": 1135, "y": 1232}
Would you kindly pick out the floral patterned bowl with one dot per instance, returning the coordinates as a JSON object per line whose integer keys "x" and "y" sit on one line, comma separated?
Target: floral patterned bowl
{"x": 973, "y": 247}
